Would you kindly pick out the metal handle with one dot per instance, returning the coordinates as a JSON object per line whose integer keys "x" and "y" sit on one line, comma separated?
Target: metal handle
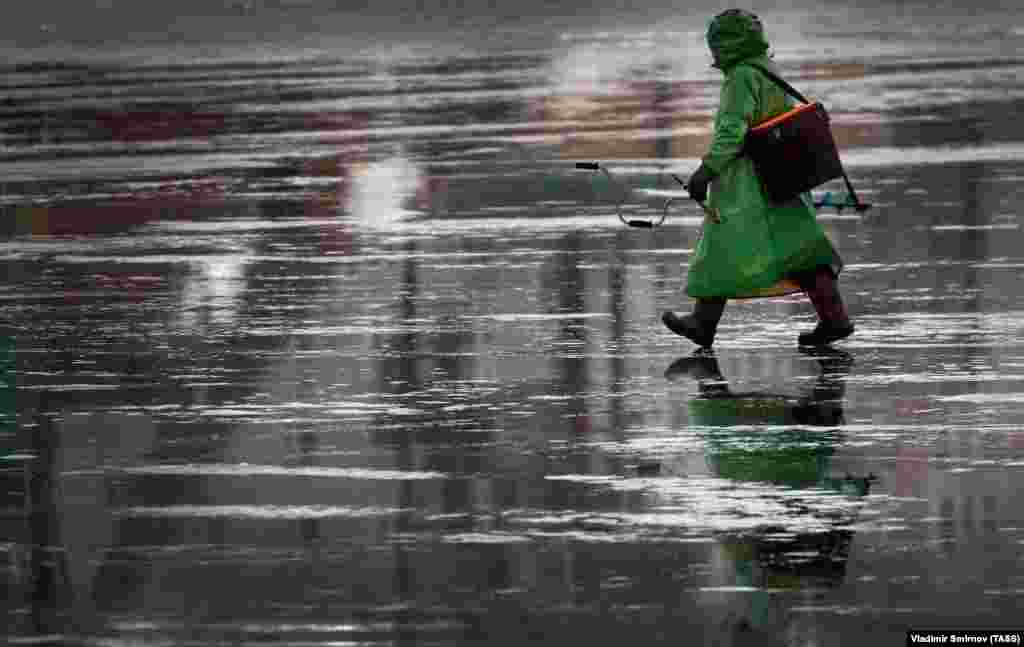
{"x": 709, "y": 213}
{"x": 644, "y": 224}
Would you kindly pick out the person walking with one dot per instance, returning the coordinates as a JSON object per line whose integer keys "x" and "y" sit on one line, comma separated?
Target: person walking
{"x": 753, "y": 247}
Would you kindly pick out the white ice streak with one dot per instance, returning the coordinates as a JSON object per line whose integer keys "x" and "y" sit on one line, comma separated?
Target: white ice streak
{"x": 883, "y": 156}
{"x": 246, "y": 469}
{"x": 528, "y": 316}
{"x": 250, "y": 626}
{"x": 281, "y": 512}
{"x": 713, "y": 504}
{"x": 1007, "y": 226}
{"x": 330, "y": 408}
{"x": 485, "y": 538}
{"x": 241, "y": 225}
{"x": 983, "y": 398}
{"x": 71, "y": 387}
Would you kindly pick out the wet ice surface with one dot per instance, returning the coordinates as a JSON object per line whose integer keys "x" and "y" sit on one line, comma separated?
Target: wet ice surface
{"x": 349, "y": 354}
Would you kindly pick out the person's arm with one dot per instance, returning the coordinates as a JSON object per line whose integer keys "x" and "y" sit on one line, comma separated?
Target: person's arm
{"x": 736, "y": 109}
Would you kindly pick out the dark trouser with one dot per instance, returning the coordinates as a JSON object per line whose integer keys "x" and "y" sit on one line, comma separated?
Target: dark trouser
{"x": 821, "y": 289}
{"x": 819, "y": 285}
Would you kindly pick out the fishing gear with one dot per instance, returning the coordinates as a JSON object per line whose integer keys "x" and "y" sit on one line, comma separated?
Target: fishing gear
{"x": 849, "y": 200}
{"x": 646, "y": 224}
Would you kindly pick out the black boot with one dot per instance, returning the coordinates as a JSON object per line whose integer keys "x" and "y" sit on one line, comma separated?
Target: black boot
{"x": 835, "y": 364}
{"x": 834, "y": 321}
{"x": 699, "y": 326}
{"x": 702, "y": 367}
{"x": 823, "y": 405}
{"x": 825, "y": 333}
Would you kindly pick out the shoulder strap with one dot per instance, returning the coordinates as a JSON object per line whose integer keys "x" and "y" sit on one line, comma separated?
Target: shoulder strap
{"x": 790, "y": 90}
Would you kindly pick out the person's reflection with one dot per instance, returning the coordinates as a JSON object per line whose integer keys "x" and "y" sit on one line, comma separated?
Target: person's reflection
{"x": 820, "y": 406}
{"x": 783, "y": 440}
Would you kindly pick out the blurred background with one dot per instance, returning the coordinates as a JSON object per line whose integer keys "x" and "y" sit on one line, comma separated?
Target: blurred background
{"x": 313, "y": 334}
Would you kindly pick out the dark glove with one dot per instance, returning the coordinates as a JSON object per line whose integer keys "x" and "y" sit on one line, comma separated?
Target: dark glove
{"x": 698, "y": 184}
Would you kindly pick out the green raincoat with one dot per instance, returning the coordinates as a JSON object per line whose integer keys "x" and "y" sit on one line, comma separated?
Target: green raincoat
{"x": 757, "y": 246}
{"x": 739, "y": 448}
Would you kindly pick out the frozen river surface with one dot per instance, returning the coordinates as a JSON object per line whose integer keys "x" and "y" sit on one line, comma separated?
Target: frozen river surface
{"x": 316, "y": 342}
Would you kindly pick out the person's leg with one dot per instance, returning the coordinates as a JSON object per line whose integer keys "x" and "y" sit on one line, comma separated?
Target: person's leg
{"x": 834, "y": 321}
{"x": 699, "y": 326}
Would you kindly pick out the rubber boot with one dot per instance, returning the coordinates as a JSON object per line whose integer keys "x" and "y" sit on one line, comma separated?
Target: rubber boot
{"x": 702, "y": 367}
{"x": 834, "y": 322}
{"x": 699, "y": 326}
{"x": 823, "y": 405}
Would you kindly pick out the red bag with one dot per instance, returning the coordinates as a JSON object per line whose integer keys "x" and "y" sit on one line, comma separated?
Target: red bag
{"x": 793, "y": 152}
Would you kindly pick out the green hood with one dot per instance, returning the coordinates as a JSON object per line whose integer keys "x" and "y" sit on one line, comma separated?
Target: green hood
{"x": 734, "y": 36}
